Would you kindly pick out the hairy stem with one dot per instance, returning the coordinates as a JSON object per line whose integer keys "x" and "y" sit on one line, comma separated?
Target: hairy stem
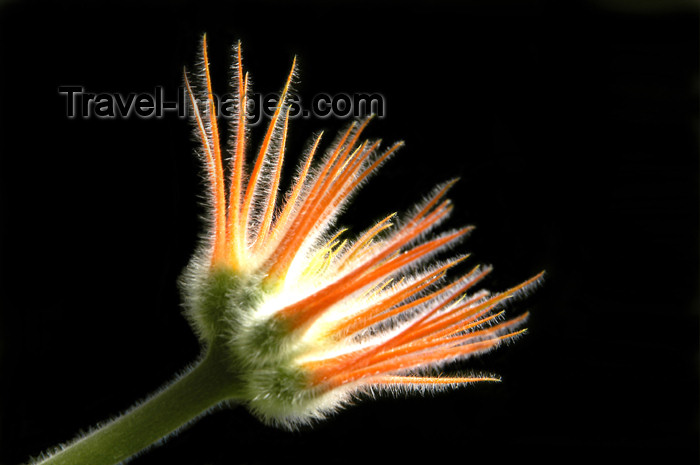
{"x": 209, "y": 383}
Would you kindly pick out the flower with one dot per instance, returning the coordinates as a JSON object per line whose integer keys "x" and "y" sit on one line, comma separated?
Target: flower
{"x": 306, "y": 317}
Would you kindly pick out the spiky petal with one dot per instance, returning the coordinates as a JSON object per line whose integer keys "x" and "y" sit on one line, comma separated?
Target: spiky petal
{"x": 307, "y": 316}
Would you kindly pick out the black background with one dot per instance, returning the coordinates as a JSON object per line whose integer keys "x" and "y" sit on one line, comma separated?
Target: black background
{"x": 572, "y": 125}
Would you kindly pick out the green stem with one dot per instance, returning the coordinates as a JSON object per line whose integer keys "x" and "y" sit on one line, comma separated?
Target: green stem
{"x": 205, "y": 386}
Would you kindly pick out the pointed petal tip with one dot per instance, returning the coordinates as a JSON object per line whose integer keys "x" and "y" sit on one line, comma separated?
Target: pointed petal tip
{"x": 535, "y": 280}
{"x": 466, "y": 229}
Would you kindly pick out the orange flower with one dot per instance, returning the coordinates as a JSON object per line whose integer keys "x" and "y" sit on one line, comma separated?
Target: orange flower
{"x": 306, "y": 317}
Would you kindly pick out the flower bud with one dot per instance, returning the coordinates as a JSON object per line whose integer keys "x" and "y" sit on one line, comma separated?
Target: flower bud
{"x": 305, "y": 316}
